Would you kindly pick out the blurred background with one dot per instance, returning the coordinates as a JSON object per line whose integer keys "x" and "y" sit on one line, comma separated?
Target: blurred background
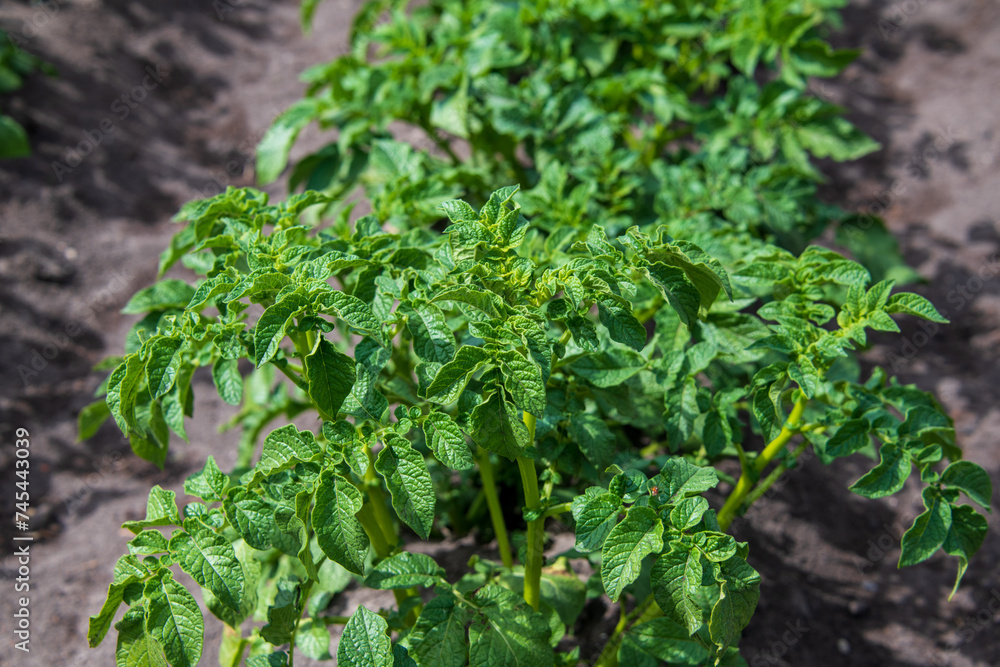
{"x": 156, "y": 103}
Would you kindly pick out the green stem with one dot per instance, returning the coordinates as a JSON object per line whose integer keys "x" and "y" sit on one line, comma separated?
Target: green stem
{"x": 306, "y": 590}
{"x": 496, "y": 512}
{"x": 556, "y": 510}
{"x": 646, "y": 611}
{"x": 536, "y": 528}
{"x": 749, "y": 473}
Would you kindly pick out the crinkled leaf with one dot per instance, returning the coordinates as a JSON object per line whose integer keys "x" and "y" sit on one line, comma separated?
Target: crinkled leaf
{"x": 639, "y": 534}
{"x": 410, "y": 486}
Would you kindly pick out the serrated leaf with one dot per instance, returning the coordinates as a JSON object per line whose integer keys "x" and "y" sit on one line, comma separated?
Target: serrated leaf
{"x": 523, "y": 379}
{"x": 331, "y": 375}
{"x": 432, "y": 337}
{"x": 284, "y": 448}
{"x": 595, "y": 517}
{"x": 404, "y": 570}
{"x": 929, "y": 530}
{"x": 888, "y": 476}
{"x": 621, "y": 324}
{"x": 496, "y": 427}
{"x": 639, "y": 534}
{"x": 174, "y": 620}
{"x": 228, "y": 381}
{"x": 454, "y": 375}
{"x": 209, "y": 483}
{"x": 162, "y": 361}
{"x": 849, "y": 438}
{"x": 271, "y": 327}
{"x": 662, "y": 639}
{"x": 365, "y": 642}
{"x": 160, "y": 296}
{"x": 677, "y": 288}
{"x": 970, "y": 479}
{"x": 211, "y": 561}
{"x": 161, "y": 510}
{"x": 506, "y": 632}
{"x": 251, "y": 516}
{"x": 676, "y": 578}
{"x": 438, "y": 638}
{"x": 679, "y": 479}
{"x": 338, "y": 531}
{"x": 739, "y": 592}
{"x": 410, "y": 486}
{"x": 914, "y": 304}
{"x": 594, "y": 439}
{"x": 444, "y": 437}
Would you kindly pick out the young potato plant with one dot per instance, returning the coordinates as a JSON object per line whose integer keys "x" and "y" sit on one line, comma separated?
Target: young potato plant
{"x": 611, "y": 377}
{"x": 620, "y": 111}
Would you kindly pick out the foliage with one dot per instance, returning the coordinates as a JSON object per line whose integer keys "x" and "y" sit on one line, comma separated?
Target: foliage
{"x": 15, "y": 64}
{"x": 640, "y": 325}
{"x": 626, "y": 112}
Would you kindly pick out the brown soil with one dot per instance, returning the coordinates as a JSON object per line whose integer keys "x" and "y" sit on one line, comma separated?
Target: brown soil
{"x": 76, "y": 242}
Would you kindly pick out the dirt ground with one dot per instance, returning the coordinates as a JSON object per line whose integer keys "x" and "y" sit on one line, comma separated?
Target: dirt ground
{"x": 176, "y": 93}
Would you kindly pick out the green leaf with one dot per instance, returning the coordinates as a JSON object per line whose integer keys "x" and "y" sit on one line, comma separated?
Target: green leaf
{"x": 251, "y": 516}
{"x": 928, "y": 531}
{"x": 90, "y": 419}
{"x": 454, "y": 375}
{"x": 688, "y": 512}
{"x": 639, "y": 534}
{"x": 160, "y": 296}
{"x": 678, "y": 289}
{"x": 284, "y": 448}
{"x": 13, "y": 139}
{"x": 496, "y": 427}
{"x": 432, "y": 338}
{"x": 676, "y": 580}
{"x": 313, "y": 639}
{"x": 306, "y": 11}
{"x": 276, "y": 659}
{"x": 338, "y": 531}
{"x": 331, "y": 375}
{"x": 273, "y": 150}
{"x": 621, "y": 324}
{"x": 662, "y": 639}
{"x": 914, "y": 304}
{"x": 209, "y": 483}
{"x": 211, "y": 561}
{"x": 679, "y": 479}
{"x": 595, "y": 516}
{"x": 738, "y": 595}
{"x": 162, "y": 361}
{"x": 970, "y": 479}
{"x": 161, "y": 510}
{"x": 100, "y": 624}
{"x": 506, "y": 632}
{"x": 365, "y": 642}
{"x": 405, "y": 570}
{"x": 438, "y": 638}
{"x": 174, "y": 620}
{"x": 485, "y": 301}
{"x": 609, "y": 367}
{"x": 888, "y": 476}
{"x": 965, "y": 536}
{"x": 594, "y": 439}
{"x": 123, "y": 388}
{"x": 272, "y": 325}
{"x": 410, "y": 486}
{"x": 283, "y": 613}
{"x": 849, "y": 438}
{"x": 228, "y": 381}
{"x": 523, "y": 379}
{"x": 444, "y": 437}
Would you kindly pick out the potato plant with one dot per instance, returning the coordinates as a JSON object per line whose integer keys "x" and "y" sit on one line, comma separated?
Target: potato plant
{"x": 636, "y": 347}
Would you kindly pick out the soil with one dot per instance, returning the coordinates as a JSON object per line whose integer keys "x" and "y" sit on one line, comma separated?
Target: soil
{"x": 176, "y": 93}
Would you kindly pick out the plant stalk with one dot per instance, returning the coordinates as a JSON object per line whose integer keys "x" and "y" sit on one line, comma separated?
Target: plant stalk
{"x": 486, "y": 471}
{"x": 536, "y": 528}
{"x": 746, "y": 481}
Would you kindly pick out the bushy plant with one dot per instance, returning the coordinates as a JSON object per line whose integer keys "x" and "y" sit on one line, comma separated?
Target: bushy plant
{"x": 608, "y": 351}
